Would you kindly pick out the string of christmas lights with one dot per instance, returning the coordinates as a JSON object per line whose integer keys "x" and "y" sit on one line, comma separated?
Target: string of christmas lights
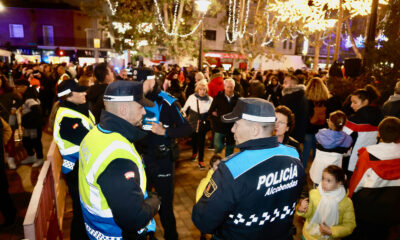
{"x": 234, "y": 17}
{"x": 113, "y": 9}
{"x": 174, "y": 30}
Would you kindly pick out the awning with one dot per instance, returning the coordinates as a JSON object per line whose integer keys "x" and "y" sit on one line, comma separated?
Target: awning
{"x": 224, "y": 55}
{"x": 5, "y": 53}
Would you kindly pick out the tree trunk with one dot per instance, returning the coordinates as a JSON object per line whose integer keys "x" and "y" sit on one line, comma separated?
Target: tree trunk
{"x": 166, "y": 20}
{"x": 328, "y": 50}
{"x": 177, "y": 24}
{"x": 338, "y": 31}
{"x": 353, "y": 43}
{"x": 318, "y": 43}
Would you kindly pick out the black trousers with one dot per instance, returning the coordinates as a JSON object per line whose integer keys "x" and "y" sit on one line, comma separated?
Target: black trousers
{"x": 198, "y": 140}
{"x": 160, "y": 175}
{"x": 33, "y": 145}
{"x": 78, "y": 230}
{"x": 7, "y": 207}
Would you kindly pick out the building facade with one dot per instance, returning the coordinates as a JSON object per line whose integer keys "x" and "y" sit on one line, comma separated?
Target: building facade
{"x": 50, "y": 32}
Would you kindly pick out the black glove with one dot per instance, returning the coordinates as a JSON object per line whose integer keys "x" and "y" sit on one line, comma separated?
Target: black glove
{"x": 154, "y": 201}
{"x": 72, "y": 130}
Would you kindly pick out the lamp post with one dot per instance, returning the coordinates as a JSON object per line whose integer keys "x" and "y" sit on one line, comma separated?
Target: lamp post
{"x": 370, "y": 41}
{"x": 202, "y": 6}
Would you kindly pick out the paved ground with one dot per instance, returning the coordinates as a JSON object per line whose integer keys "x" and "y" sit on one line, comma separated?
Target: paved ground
{"x": 187, "y": 178}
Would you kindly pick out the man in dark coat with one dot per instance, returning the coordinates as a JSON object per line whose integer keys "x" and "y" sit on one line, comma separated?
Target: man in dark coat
{"x": 222, "y": 104}
{"x": 104, "y": 76}
{"x": 294, "y": 98}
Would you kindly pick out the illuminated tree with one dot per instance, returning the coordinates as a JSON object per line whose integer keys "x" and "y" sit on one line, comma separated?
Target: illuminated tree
{"x": 315, "y": 17}
{"x": 150, "y": 27}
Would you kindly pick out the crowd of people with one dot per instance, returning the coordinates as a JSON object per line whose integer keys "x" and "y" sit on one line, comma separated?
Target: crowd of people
{"x": 117, "y": 134}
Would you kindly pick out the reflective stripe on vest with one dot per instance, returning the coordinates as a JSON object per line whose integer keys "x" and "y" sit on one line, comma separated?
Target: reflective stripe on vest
{"x": 65, "y": 147}
{"x": 62, "y": 78}
{"x": 97, "y": 151}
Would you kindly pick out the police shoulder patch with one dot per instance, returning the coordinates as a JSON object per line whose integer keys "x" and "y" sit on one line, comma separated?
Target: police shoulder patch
{"x": 211, "y": 188}
{"x": 129, "y": 175}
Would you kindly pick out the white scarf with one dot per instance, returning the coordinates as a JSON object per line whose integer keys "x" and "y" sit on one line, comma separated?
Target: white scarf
{"x": 327, "y": 210}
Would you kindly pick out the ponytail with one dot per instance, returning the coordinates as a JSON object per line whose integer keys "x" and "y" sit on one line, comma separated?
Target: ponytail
{"x": 369, "y": 93}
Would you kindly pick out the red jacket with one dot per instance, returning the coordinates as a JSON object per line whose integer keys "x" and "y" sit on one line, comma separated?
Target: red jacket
{"x": 216, "y": 85}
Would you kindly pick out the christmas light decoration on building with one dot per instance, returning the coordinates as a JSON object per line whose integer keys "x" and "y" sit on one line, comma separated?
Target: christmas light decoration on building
{"x": 113, "y": 9}
{"x": 202, "y": 6}
{"x": 233, "y": 21}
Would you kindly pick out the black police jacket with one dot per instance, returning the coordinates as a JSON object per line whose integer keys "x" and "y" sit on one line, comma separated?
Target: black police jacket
{"x": 253, "y": 193}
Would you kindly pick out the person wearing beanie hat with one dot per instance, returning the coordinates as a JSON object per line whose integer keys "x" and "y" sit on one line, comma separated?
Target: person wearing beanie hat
{"x": 72, "y": 122}
{"x": 237, "y": 76}
{"x": 253, "y": 193}
{"x": 111, "y": 168}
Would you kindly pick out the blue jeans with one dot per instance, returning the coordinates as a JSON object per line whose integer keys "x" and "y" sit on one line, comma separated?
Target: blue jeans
{"x": 219, "y": 143}
{"x": 309, "y": 143}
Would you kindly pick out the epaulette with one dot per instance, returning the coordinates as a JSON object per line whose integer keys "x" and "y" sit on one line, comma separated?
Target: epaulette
{"x": 167, "y": 97}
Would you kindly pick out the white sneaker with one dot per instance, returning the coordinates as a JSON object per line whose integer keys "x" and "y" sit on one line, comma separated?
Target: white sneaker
{"x": 29, "y": 160}
{"x": 38, "y": 163}
{"x": 11, "y": 163}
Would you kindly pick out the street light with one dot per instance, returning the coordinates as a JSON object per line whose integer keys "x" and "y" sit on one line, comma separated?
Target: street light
{"x": 202, "y": 6}
{"x": 1, "y": 7}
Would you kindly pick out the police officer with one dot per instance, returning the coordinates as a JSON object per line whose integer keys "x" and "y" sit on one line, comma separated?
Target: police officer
{"x": 112, "y": 180}
{"x": 72, "y": 122}
{"x": 253, "y": 193}
{"x": 164, "y": 123}
{"x": 62, "y": 73}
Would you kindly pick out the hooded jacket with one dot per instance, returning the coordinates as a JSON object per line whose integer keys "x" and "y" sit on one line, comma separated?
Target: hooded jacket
{"x": 216, "y": 84}
{"x": 362, "y": 126}
{"x": 376, "y": 182}
{"x": 331, "y": 145}
{"x": 330, "y": 139}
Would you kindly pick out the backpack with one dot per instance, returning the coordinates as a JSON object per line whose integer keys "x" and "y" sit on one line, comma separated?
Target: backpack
{"x": 319, "y": 116}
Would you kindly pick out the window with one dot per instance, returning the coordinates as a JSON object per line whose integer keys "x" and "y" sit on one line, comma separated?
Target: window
{"x": 290, "y": 44}
{"x": 284, "y": 44}
{"x": 89, "y": 37}
{"x": 210, "y": 35}
{"x": 48, "y": 35}
{"x": 16, "y": 31}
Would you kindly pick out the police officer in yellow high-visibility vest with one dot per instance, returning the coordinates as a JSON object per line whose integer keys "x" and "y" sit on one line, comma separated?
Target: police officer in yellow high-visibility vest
{"x": 72, "y": 122}
{"x": 112, "y": 180}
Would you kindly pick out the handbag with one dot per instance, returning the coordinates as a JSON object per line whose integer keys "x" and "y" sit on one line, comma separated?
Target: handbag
{"x": 203, "y": 125}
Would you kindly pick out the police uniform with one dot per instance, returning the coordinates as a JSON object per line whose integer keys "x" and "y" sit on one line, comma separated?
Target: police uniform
{"x": 112, "y": 180}
{"x": 158, "y": 154}
{"x": 72, "y": 123}
{"x": 253, "y": 193}
{"x": 63, "y": 77}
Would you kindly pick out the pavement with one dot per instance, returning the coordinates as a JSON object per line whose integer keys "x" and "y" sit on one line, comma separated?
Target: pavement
{"x": 187, "y": 177}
